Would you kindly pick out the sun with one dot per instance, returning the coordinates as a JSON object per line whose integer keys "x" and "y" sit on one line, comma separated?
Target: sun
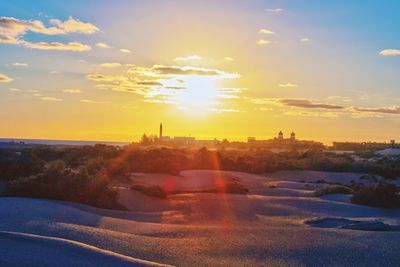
{"x": 200, "y": 93}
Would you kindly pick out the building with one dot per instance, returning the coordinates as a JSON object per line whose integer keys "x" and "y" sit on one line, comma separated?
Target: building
{"x": 293, "y": 136}
{"x": 251, "y": 139}
{"x": 161, "y": 131}
{"x": 280, "y": 135}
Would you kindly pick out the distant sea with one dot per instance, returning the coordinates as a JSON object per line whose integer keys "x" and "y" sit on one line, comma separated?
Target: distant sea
{"x": 60, "y": 142}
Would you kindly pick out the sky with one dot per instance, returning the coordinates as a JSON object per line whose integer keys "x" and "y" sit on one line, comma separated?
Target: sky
{"x": 113, "y": 70}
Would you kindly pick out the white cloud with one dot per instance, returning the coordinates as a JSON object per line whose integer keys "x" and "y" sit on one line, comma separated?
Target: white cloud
{"x": 110, "y": 65}
{"x": 288, "y": 85}
{"x": 275, "y": 10}
{"x": 13, "y": 30}
{"x": 14, "y": 90}
{"x": 89, "y": 101}
{"x": 50, "y": 98}
{"x": 75, "y": 25}
{"x": 263, "y": 42}
{"x": 20, "y": 64}
{"x": 72, "y": 46}
{"x": 5, "y": 79}
{"x": 189, "y": 58}
{"x": 390, "y": 52}
{"x": 72, "y": 91}
{"x": 266, "y": 31}
{"x": 103, "y": 45}
{"x": 305, "y": 40}
{"x": 125, "y": 50}
{"x": 229, "y": 59}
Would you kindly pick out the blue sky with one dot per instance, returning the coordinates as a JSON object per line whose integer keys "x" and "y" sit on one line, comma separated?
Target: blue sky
{"x": 327, "y": 69}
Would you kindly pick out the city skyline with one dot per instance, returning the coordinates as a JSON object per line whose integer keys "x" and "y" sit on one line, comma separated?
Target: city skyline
{"x": 72, "y": 71}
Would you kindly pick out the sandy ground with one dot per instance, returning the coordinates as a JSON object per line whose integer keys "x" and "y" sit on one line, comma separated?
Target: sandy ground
{"x": 264, "y": 228}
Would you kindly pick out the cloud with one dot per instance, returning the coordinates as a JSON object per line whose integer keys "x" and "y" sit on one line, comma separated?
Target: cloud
{"x": 5, "y": 79}
{"x": 75, "y": 25}
{"x": 149, "y": 83}
{"x": 13, "y": 27}
{"x": 263, "y": 42}
{"x": 224, "y": 110}
{"x": 89, "y": 101}
{"x": 390, "y": 52}
{"x": 50, "y": 98}
{"x": 383, "y": 110}
{"x": 125, "y": 50}
{"x": 72, "y": 91}
{"x": 266, "y": 31}
{"x": 228, "y": 59}
{"x": 13, "y": 30}
{"x": 288, "y": 85}
{"x": 305, "y": 40}
{"x": 14, "y": 90}
{"x": 106, "y": 78}
{"x": 103, "y": 45}
{"x": 275, "y": 10}
{"x": 340, "y": 98}
{"x": 111, "y": 65}
{"x": 72, "y": 46}
{"x": 54, "y": 72}
{"x": 297, "y": 102}
{"x": 188, "y": 58}
{"x": 18, "y": 64}
{"x": 185, "y": 70}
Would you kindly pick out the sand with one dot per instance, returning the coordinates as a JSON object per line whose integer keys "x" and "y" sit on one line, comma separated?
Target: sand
{"x": 264, "y": 228}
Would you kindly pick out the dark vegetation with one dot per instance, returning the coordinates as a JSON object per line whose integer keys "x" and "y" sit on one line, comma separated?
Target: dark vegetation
{"x": 338, "y": 189}
{"x": 384, "y": 195}
{"x": 86, "y": 174}
{"x": 151, "y": 190}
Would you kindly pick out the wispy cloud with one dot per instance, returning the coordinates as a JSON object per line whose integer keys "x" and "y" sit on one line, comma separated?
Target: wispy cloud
{"x": 110, "y": 65}
{"x": 229, "y": 59}
{"x": 13, "y": 30}
{"x": 89, "y": 101}
{"x": 50, "y": 98}
{"x": 189, "y": 58}
{"x": 263, "y": 42}
{"x": 288, "y": 85}
{"x": 383, "y": 110}
{"x": 103, "y": 45}
{"x": 305, "y": 40}
{"x": 266, "y": 31}
{"x": 125, "y": 50}
{"x": 275, "y": 10}
{"x": 5, "y": 79}
{"x": 297, "y": 102}
{"x": 390, "y": 52}
{"x": 72, "y": 46}
{"x": 19, "y": 64}
{"x": 72, "y": 91}
{"x": 14, "y": 90}
{"x": 75, "y": 25}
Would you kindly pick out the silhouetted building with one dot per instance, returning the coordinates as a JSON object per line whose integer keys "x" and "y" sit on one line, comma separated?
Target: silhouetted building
{"x": 280, "y": 135}
{"x": 251, "y": 139}
{"x": 293, "y": 136}
{"x": 161, "y": 133}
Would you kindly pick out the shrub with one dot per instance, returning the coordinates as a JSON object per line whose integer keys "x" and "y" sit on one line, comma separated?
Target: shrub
{"x": 151, "y": 191}
{"x": 338, "y": 189}
{"x": 385, "y": 195}
{"x": 233, "y": 188}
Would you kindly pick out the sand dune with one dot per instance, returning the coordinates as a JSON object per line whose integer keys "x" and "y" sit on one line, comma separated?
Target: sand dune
{"x": 265, "y": 227}
{"x": 34, "y": 250}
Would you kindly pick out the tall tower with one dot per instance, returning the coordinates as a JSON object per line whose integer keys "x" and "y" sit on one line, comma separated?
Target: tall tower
{"x": 161, "y": 130}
